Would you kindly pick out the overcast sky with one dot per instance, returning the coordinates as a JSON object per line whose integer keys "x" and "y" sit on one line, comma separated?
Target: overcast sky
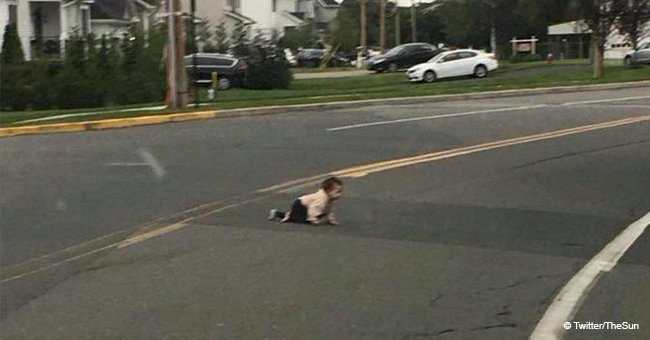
{"x": 404, "y": 2}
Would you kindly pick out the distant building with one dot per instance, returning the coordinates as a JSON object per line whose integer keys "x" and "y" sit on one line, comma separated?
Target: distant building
{"x": 116, "y": 17}
{"x": 45, "y": 25}
{"x": 573, "y": 40}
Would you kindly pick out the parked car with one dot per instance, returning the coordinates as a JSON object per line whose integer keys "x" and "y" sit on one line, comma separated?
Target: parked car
{"x": 402, "y": 57}
{"x": 641, "y": 55}
{"x": 231, "y": 71}
{"x": 312, "y": 57}
{"x": 454, "y": 64}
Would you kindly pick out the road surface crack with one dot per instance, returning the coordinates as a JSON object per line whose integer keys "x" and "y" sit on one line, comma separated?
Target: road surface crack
{"x": 500, "y": 325}
{"x": 525, "y": 281}
{"x": 572, "y": 154}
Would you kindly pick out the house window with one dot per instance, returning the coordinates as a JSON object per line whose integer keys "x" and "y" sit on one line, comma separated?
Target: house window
{"x": 234, "y": 4}
{"x": 13, "y": 14}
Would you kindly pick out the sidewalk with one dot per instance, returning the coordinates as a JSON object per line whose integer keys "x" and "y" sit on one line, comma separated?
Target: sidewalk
{"x": 337, "y": 74}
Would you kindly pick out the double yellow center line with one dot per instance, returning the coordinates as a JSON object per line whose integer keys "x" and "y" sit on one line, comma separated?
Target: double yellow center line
{"x": 364, "y": 170}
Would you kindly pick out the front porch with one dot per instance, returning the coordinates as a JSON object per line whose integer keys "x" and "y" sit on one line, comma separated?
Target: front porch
{"x": 49, "y": 24}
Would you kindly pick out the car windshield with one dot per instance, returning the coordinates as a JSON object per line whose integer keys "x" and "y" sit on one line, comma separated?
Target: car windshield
{"x": 438, "y": 57}
{"x": 394, "y": 51}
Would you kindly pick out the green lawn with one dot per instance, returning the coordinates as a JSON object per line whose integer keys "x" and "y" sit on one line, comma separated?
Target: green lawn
{"x": 509, "y": 76}
{"x": 296, "y": 70}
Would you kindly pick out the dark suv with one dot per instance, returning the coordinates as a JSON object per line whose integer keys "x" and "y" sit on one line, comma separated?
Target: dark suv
{"x": 403, "y": 56}
{"x": 312, "y": 57}
{"x": 231, "y": 71}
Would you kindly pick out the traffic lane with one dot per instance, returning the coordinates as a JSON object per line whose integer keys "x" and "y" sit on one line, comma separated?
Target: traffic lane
{"x": 563, "y": 197}
{"x": 621, "y": 295}
{"x": 599, "y": 173}
{"x": 262, "y": 213}
{"x": 205, "y": 161}
{"x": 211, "y": 281}
{"x": 80, "y": 192}
{"x": 576, "y": 217}
{"x": 636, "y": 96}
{"x": 615, "y": 96}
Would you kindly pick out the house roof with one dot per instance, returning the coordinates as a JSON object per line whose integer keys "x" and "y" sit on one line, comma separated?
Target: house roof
{"x": 118, "y": 9}
{"x": 569, "y": 28}
{"x": 111, "y": 9}
{"x": 291, "y": 20}
{"x": 329, "y": 3}
{"x": 239, "y": 17}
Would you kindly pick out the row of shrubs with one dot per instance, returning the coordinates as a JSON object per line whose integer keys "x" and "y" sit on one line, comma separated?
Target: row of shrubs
{"x": 108, "y": 72}
{"x": 525, "y": 58}
{"x": 93, "y": 73}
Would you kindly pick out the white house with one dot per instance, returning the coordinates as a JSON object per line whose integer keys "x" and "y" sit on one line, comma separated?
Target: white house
{"x": 618, "y": 44}
{"x": 321, "y": 11}
{"x": 573, "y": 39}
{"x": 116, "y": 17}
{"x": 215, "y": 12}
{"x": 49, "y": 21}
{"x": 274, "y": 16}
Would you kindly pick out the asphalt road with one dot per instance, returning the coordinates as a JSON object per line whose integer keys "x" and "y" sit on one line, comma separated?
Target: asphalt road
{"x": 472, "y": 246}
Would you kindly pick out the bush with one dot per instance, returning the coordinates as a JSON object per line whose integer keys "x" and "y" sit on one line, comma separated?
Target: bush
{"x": 525, "y": 58}
{"x": 42, "y": 78}
{"x": 268, "y": 69}
{"x": 16, "y": 92}
{"x": 12, "y": 51}
{"x": 110, "y": 71}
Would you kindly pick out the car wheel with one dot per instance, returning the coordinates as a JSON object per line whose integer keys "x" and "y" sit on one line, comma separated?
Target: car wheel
{"x": 429, "y": 76}
{"x": 480, "y": 71}
{"x": 627, "y": 61}
{"x": 224, "y": 83}
{"x": 392, "y": 67}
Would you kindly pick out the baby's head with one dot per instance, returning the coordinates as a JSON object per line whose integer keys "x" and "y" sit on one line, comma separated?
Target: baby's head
{"x": 333, "y": 187}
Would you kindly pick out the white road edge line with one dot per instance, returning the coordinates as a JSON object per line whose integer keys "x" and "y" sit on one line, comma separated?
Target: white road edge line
{"x": 568, "y": 301}
{"x": 127, "y": 164}
{"x": 604, "y": 100}
{"x": 157, "y": 169}
{"x": 153, "y": 108}
{"x": 404, "y": 120}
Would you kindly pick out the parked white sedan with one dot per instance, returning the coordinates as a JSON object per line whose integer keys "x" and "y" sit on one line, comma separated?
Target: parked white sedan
{"x": 454, "y": 64}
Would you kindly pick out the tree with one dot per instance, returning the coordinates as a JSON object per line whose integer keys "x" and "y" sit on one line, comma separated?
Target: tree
{"x": 600, "y": 15}
{"x": 303, "y": 36}
{"x": 268, "y": 68}
{"x": 71, "y": 81}
{"x": 345, "y": 26}
{"x": 221, "y": 38}
{"x": 634, "y": 17}
{"x": 12, "y": 51}
{"x": 239, "y": 40}
{"x": 205, "y": 37}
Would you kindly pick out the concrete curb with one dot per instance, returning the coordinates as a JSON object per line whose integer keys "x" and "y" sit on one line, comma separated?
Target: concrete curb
{"x": 268, "y": 110}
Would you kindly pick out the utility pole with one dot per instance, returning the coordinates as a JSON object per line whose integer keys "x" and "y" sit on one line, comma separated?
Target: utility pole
{"x": 414, "y": 36}
{"x": 382, "y": 26}
{"x": 362, "y": 53}
{"x": 493, "y": 30}
{"x": 194, "y": 51}
{"x": 172, "y": 100}
{"x": 179, "y": 58}
{"x": 398, "y": 30}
